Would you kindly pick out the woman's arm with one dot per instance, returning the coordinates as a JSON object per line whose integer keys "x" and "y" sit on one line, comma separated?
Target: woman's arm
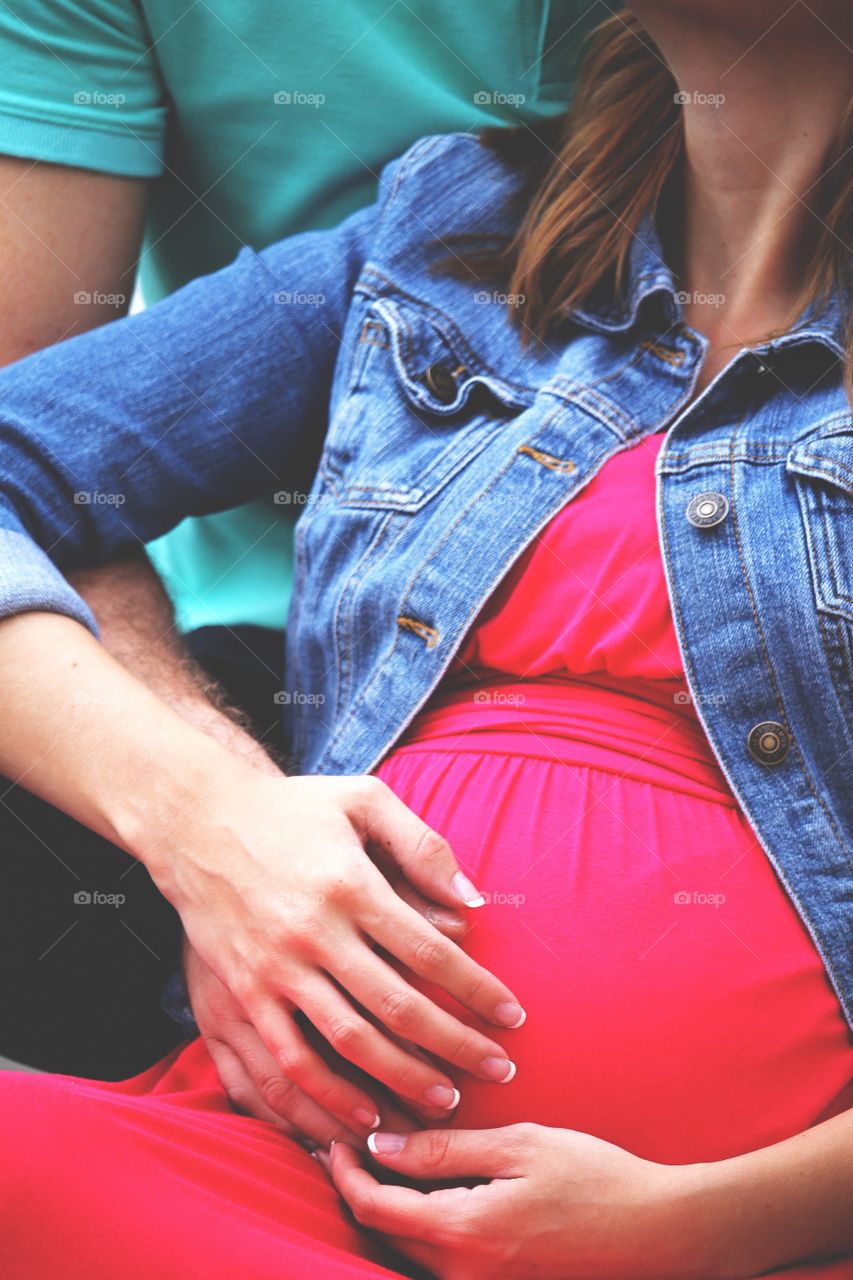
{"x": 277, "y": 880}
{"x": 560, "y": 1204}
{"x": 136, "y": 624}
{"x": 212, "y": 397}
{"x": 782, "y": 1204}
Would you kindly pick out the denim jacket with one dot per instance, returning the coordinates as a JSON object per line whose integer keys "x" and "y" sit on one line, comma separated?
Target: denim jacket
{"x": 439, "y": 447}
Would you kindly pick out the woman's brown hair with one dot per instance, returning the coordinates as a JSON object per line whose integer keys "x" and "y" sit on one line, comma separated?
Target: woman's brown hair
{"x": 594, "y": 172}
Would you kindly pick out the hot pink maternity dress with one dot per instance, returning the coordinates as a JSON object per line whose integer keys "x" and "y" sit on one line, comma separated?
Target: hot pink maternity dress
{"x": 676, "y": 1003}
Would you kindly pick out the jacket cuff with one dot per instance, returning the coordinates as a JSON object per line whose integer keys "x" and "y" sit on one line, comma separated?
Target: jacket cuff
{"x": 29, "y": 582}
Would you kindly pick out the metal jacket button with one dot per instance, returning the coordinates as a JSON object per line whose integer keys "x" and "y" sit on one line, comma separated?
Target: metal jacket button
{"x": 769, "y": 742}
{"x": 441, "y": 382}
{"x": 707, "y": 509}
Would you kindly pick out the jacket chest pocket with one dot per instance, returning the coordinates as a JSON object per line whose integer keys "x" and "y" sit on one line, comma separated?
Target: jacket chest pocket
{"x": 823, "y": 471}
{"x": 419, "y": 405}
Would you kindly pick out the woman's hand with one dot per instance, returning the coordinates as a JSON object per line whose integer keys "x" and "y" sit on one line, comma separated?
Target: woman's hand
{"x": 247, "y": 1070}
{"x": 559, "y": 1205}
{"x": 284, "y": 888}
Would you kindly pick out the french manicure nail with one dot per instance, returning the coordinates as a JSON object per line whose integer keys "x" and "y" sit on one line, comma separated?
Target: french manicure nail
{"x": 440, "y": 1095}
{"x": 470, "y": 895}
{"x": 510, "y": 1014}
{"x": 369, "y": 1119}
{"x": 386, "y": 1144}
{"x": 500, "y": 1070}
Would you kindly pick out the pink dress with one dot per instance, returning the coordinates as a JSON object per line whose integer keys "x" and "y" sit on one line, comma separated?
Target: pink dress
{"x": 676, "y": 1004}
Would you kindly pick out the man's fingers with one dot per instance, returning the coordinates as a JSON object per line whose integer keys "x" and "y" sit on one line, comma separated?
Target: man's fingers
{"x": 239, "y": 1086}
{"x": 383, "y": 821}
{"x": 264, "y": 1092}
{"x": 435, "y": 1154}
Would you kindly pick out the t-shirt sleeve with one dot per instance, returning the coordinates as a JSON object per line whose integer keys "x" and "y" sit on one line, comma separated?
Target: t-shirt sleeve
{"x": 81, "y": 86}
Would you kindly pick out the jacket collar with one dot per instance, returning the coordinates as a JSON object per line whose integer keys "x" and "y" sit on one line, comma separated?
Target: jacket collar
{"x": 648, "y": 276}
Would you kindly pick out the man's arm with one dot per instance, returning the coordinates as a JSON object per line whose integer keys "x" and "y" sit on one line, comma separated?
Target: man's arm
{"x": 137, "y": 627}
{"x": 69, "y": 242}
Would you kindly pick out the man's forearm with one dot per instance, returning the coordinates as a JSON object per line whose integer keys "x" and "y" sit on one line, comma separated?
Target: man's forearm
{"x": 137, "y": 627}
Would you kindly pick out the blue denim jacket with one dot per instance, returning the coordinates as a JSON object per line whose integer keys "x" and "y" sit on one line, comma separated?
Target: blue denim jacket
{"x": 444, "y": 447}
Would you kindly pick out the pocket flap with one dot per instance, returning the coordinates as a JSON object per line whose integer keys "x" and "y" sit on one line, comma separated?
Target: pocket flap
{"x": 438, "y": 371}
{"x": 827, "y": 454}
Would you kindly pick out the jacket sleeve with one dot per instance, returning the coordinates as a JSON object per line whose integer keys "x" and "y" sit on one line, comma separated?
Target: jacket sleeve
{"x": 212, "y": 397}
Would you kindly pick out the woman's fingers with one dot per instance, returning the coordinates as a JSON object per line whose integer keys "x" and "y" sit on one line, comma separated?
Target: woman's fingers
{"x": 413, "y": 941}
{"x": 393, "y": 1210}
{"x": 451, "y": 923}
{"x": 305, "y": 1068}
{"x": 409, "y": 1014}
{"x": 383, "y": 821}
{"x": 355, "y": 1038}
{"x": 436, "y": 1154}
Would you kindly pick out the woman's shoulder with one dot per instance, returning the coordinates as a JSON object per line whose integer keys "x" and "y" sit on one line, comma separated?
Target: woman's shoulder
{"x": 450, "y": 183}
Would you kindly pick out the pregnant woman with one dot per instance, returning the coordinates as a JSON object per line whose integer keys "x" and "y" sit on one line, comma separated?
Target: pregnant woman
{"x": 574, "y": 585}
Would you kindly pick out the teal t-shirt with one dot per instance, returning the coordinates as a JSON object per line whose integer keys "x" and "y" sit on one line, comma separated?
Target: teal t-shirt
{"x": 256, "y": 120}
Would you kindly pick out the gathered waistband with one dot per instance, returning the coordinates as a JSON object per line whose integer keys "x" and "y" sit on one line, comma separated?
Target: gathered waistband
{"x": 645, "y": 730}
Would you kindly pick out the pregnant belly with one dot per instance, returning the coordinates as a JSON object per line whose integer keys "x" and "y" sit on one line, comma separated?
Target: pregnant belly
{"x": 676, "y": 1004}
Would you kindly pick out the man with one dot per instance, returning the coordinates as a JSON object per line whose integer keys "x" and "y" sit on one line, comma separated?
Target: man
{"x": 168, "y": 133}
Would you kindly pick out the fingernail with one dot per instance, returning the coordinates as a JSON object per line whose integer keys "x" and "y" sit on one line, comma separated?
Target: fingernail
{"x": 386, "y": 1144}
{"x": 501, "y": 1070}
{"x": 322, "y": 1158}
{"x": 369, "y": 1119}
{"x": 440, "y": 1095}
{"x": 510, "y": 1014}
{"x": 470, "y": 895}
{"x": 444, "y": 919}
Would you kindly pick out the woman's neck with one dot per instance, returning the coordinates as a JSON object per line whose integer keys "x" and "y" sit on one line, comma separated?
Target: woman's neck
{"x": 765, "y": 93}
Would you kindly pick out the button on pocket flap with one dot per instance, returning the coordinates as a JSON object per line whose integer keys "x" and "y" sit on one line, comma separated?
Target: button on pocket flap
{"x": 827, "y": 454}
{"x": 437, "y": 370}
